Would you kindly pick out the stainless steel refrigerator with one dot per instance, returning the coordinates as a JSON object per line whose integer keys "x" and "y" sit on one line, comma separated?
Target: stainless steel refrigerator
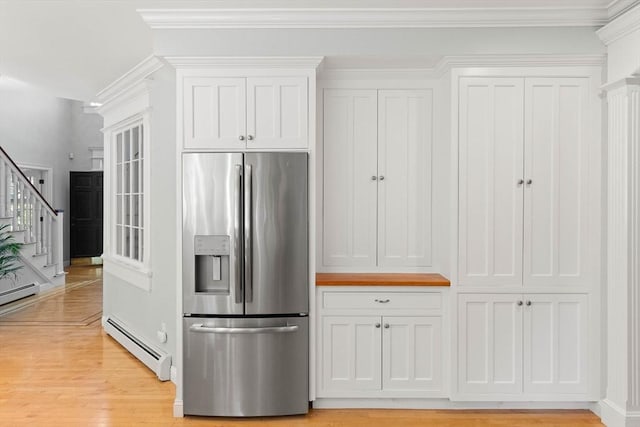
{"x": 245, "y": 284}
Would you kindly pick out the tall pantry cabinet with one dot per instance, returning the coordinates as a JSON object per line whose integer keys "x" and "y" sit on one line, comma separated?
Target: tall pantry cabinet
{"x": 528, "y": 232}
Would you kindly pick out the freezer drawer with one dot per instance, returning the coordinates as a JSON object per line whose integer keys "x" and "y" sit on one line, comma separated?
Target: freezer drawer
{"x": 246, "y": 367}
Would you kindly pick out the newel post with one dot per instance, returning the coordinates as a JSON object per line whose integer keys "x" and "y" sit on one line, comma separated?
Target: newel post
{"x": 59, "y": 243}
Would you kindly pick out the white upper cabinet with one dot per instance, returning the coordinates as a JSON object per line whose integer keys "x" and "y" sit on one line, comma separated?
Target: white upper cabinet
{"x": 238, "y": 113}
{"x": 377, "y": 178}
{"x": 404, "y": 177}
{"x": 490, "y": 182}
{"x": 277, "y": 112}
{"x": 350, "y": 193}
{"x": 214, "y": 112}
{"x": 524, "y": 181}
{"x": 556, "y": 233}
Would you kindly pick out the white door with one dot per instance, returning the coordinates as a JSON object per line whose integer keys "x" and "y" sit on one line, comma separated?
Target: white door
{"x": 490, "y": 181}
{"x": 405, "y": 133}
{"x": 277, "y": 113}
{"x": 555, "y": 343}
{"x": 556, "y": 220}
{"x": 411, "y": 353}
{"x": 351, "y": 353}
{"x": 349, "y": 188}
{"x": 214, "y": 113}
{"x": 489, "y": 344}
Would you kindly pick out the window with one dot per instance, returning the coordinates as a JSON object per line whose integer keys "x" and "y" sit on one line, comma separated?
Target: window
{"x": 129, "y": 192}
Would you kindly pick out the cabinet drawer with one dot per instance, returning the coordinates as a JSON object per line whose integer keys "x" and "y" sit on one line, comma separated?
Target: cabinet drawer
{"x": 382, "y": 300}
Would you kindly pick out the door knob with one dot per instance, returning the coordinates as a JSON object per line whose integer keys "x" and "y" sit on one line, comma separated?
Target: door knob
{"x": 374, "y": 178}
{"x": 381, "y": 177}
{"x": 377, "y": 325}
{"x": 529, "y": 181}
{"x": 519, "y": 303}
{"x": 386, "y": 326}
{"x": 528, "y": 303}
{"x": 241, "y": 137}
{"x": 520, "y": 181}
{"x": 250, "y": 137}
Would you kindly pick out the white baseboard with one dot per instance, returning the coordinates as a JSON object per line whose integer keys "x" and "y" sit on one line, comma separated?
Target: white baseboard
{"x": 45, "y": 287}
{"x": 615, "y": 416}
{"x": 394, "y": 403}
{"x": 178, "y": 409}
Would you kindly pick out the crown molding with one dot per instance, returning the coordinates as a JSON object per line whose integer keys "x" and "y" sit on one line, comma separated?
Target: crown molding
{"x": 132, "y": 78}
{"x": 546, "y": 15}
{"x": 621, "y": 26}
{"x": 624, "y": 83}
{"x": 226, "y": 62}
{"x": 618, "y": 7}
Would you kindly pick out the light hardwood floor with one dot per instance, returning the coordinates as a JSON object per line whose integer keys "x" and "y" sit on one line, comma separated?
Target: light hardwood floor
{"x": 57, "y": 368}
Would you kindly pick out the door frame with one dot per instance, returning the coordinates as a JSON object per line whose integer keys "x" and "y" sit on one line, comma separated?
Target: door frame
{"x": 48, "y": 184}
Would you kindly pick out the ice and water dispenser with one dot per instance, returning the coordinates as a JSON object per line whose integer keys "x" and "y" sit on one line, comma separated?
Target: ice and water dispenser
{"x": 212, "y": 263}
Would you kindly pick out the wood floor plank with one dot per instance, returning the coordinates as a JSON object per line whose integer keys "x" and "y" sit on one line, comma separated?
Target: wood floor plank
{"x": 63, "y": 371}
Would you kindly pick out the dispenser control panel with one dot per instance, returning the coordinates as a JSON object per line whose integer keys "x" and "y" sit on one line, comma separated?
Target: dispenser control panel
{"x": 212, "y": 245}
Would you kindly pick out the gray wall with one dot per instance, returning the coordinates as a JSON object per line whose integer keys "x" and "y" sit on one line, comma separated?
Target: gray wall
{"x": 39, "y": 129}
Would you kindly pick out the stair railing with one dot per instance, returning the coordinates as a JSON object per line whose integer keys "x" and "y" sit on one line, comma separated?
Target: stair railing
{"x": 30, "y": 212}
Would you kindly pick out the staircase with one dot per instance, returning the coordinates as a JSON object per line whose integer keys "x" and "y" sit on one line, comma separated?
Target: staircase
{"x": 35, "y": 224}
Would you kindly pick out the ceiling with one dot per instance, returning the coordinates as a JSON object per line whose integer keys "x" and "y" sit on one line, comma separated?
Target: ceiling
{"x": 74, "y": 48}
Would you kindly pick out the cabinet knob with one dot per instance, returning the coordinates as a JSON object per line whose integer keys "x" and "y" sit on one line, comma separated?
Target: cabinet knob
{"x": 381, "y": 177}
{"x": 528, "y": 303}
{"x": 382, "y": 301}
{"x": 377, "y": 325}
{"x": 529, "y": 181}
{"x": 519, "y": 303}
{"x": 520, "y": 181}
{"x": 374, "y": 178}
{"x": 386, "y": 326}
{"x": 250, "y": 137}
{"x": 241, "y": 137}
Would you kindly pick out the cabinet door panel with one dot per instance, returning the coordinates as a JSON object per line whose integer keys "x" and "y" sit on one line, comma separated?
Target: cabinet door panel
{"x": 489, "y": 344}
{"x": 351, "y": 353}
{"x": 349, "y": 193}
{"x": 491, "y": 165}
{"x": 556, "y": 218}
{"x": 411, "y": 353}
{"x": 555, "y": 345}
{"x": 214, "y": 112}
{"x": 405, "y": 132}
{"x": 277, "y": 112}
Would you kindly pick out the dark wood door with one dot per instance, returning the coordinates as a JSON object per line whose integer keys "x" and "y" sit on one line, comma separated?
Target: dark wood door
{"x": 86, "y": 214}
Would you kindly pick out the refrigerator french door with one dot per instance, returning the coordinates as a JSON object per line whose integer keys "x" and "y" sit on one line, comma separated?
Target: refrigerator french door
{"x": 245, "y": 283}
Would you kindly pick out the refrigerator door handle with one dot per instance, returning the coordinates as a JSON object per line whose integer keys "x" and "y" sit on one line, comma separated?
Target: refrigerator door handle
{"x": 199, "y": 327}
{"x": 248, "y": 243}
{"x": 237, "y": 226}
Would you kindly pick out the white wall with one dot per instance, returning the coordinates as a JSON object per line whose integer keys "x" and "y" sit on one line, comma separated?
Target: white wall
{"x": 38, "y": 129}
{"x": 145, "y": 312}
{"x": 392, "y": 42}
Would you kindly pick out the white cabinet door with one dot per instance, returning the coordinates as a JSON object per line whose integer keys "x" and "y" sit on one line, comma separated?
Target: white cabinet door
{"x": 556, "y": 207}
{"x": 214, "y": 113}
{"x": 349, "y": 192}
{"x": 277, "y": 113}
{"x": 555, "y": 344}
{"x": 351, "y": 353}
{"x": 411, "y": 353}
{"x": 405, "y": 132}
{"x": 490, "y": 188}
{"x": 489, "y": 344}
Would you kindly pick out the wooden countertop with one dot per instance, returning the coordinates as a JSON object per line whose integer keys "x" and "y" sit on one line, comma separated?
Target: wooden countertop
{"x": 381, "y": 279}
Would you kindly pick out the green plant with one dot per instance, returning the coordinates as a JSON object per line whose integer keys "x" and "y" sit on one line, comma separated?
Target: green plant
{"x": 9, "y": 253}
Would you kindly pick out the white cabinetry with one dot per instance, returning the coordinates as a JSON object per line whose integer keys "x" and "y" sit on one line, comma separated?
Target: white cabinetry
{"x": 379, "y": 344}
{"x": 524, "y": 186}
{"x": 377, "y": 178}
{"x": 238, "y": 113}
{"x": 510, "y": 345}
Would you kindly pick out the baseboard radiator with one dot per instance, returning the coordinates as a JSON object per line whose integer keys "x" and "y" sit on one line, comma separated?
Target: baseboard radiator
{"x": 157, "y": 360}
{"x": 18, "y": 292}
